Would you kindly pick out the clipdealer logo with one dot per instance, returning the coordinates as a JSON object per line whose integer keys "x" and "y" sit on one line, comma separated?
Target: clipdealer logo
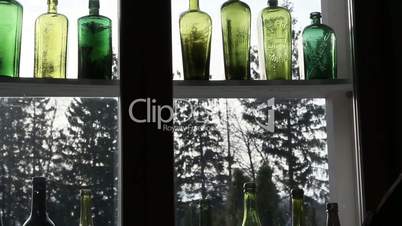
{"x": 161, "y": 115}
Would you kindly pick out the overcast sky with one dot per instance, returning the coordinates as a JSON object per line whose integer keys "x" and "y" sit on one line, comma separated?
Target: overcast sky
{"x": 302, "y": 10}
{"x": 73, "y": 9}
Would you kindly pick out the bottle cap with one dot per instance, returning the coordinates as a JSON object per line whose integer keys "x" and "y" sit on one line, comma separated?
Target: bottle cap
{"x": 39, "y": 183}
{"x": 297, "y": 193}
{"x": 94, "y": 4}
{"x": 315, "y": 14}
{"x": 249, "y": 187}
{"x": 332, "y": 207}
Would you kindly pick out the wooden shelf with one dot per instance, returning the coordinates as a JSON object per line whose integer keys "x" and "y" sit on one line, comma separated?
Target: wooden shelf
{"x": 262, "y": 89}
{"x": 29, "y": 87}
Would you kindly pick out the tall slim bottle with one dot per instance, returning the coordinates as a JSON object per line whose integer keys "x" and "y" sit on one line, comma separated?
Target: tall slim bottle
{"x": 319, "y": 45}
{"x": 39, "y": 215}
{"x": 51, "y": 43}
{"x": 95, "y": 55}
{"x": 276, "y": 26}
{"x": 250, "y": 216}
{"x": 297, "y": 207}
{"x": 332, "y": 215}
{"x": 195, "y": 34}
{"x": 10, "y": 37}
{"x": 86, "y": 205}
{"x": 236, "y": 32}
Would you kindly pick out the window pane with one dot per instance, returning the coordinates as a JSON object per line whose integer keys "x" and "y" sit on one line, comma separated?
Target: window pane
{"x": 300, "y": 11}
{"x": 71, "y": 141}
{"x": 222, "y": 143}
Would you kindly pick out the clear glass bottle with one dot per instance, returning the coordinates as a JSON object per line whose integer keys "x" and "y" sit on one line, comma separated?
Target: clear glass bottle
{"x": 236, "y": 33}
{"x": 95, "y": 56}
{"x": 39, "y": 215}
{"x": 250, "y": 217}
{"x": 319, "y": 46}
{"x": 86, "y": 208}
{"x": 51, "y": 43}
{"x": 298, "y": 207}
{"x": 332, "y": 215}
{"x": 276, "y": 25}
{"x": 195, "y": 34}
{"x": 10, "y": 37}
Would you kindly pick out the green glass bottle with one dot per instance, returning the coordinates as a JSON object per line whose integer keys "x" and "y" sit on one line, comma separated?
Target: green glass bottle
{"x": 86, "y": 205}
{"x": 319, "y": 45}
{"x": 332, "y": 215}
{"x": 95, "y": 55}
{"x": 250, "y": 217}
{"x": 236, "y": 33}
{"x": 195, "y": 34}
{"x": 276, "y": 25}
{"x": 51, "y": 43}
{"x": 298, "y": 207}
{"x": 10, "y": 37}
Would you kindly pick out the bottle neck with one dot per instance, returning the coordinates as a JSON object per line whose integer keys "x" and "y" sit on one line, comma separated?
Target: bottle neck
{"x": 94, "y": 11}
{"x": 297, "y": 212}
{"x": 316, "y": 20}
{"x": 94, "y": 7}
{"x": 194, "y": 5}
{"x": 273, "y": 4}
{"x": 38, "y": 203}
{"x": 52, "y": 6}
{"x": 250, "y": 205}
{"x": 86, "y": 213}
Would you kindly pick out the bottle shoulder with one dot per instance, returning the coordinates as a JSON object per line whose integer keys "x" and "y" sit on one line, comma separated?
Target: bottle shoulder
{"x": 235, "y": 4}
{"x": 95, "y": 17}
{"x": 11, "y": 3}
{"x": 52, "y": 16}
{"x": 275, "y": 10}
{"x": 318, "y": 27}
{"x": 195, "y": 13}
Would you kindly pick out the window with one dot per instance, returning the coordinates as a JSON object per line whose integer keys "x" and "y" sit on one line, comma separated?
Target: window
{"x": 339, "y": 169}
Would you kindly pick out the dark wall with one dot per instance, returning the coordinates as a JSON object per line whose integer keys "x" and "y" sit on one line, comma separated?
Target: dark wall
{"x": 147, "y": 152}
{"x": 378, "y": 57}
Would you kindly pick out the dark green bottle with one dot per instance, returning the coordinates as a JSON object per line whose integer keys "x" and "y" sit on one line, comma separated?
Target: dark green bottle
{"x": 236, "y": 32}
{"x": 319, "y": 45}
{"x": 205, "y": 213}
{"x": 332, "y": 215}
{"x": 95, "y": 55}
{"x": 195, "y": 34}
{"x": 10, "y": 37}
{"x": 277, "y": 42}
{"x": 250, "y": 217}
{"x": 39, "y": 215}
{"x": 298, "y": 207}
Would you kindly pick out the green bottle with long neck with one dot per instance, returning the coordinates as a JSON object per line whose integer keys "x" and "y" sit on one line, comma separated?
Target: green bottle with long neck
{"x": 95, "y": 55}
{"x": 276, "y": 26}
{"x": 319, "y": 49}
{"x": 10, "y": 37}
{"x": 298, "y": 207}
{"x": 236, "y": 33}
{"x": 86, "y": 208}
{"x": 195, "y": 34}
{"x": 51, "y": 31}
{"x": 250, "y": 216}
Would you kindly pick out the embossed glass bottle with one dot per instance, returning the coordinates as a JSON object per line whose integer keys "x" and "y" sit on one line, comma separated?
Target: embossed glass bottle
{"x": 297, "y": 207}
{"x": 195, "y": 33}
{"x": 276, "y": 25}
{"x": 51, "y": 43}
{"x": 95, "y": 55}
{"x": 250, "y": 217}
{"x": 10, "y": 37}
{"x": 236, "y": 31}
{"x": 319, "y": 45}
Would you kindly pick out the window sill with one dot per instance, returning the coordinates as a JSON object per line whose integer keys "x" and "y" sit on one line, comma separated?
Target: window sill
{"x": 30, "y": 87}
{"x": 263, "y": 89}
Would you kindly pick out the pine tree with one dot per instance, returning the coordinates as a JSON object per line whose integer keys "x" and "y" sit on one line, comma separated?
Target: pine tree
{"x": 199, "y": 157}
